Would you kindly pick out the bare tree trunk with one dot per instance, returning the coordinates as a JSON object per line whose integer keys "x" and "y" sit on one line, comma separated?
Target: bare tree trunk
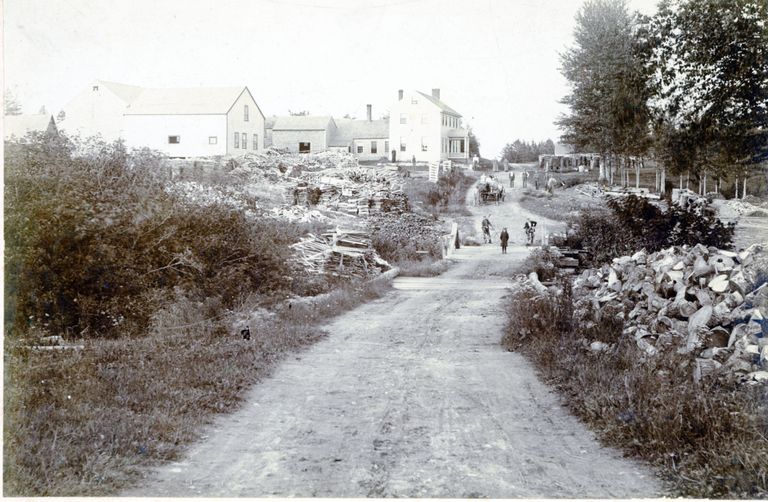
{"x": 663, "y": 183}
{"x": 744, "y": 191}
{"x": 705, "y": 183}
{"x": 736, "y": 193}
{"x": 637, "y": 173}
{"x": 656, "y": 180}
{"x": 681, "y": 182}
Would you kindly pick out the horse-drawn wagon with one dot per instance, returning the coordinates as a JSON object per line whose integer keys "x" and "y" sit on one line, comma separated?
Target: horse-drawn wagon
{"x": 489, "y": 190}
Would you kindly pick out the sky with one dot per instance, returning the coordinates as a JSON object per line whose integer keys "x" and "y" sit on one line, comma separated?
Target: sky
{"x": 495, "y": 61}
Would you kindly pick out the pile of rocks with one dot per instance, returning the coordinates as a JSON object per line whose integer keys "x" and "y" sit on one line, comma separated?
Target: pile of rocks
{"x": 696, "y": 300}
{"x": 408, "y": 233}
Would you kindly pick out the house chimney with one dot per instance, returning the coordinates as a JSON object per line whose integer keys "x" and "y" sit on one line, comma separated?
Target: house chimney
{"x": 369, "y": 109}
{"x": 436, "y": 94}
{"x": 400, "y": 95}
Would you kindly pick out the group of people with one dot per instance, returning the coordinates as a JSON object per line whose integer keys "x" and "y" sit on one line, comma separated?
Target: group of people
{"x": 529, "y": 228}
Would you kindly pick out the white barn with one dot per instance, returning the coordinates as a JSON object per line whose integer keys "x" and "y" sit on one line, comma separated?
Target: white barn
{"x": 195, "y": 122}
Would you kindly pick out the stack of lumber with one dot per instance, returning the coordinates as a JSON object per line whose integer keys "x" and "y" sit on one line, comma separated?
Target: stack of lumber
{"x": 341, "y": 253}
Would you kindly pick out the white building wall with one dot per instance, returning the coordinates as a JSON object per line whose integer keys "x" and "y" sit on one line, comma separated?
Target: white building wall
{"x": 194, "y": 131}
{"x": 289, "y": 140}
{"x": 423, "y": 122}
{"x": 236, "y": 123}
{"x": 366, "y": 145}
{"x": 94, "y": 111}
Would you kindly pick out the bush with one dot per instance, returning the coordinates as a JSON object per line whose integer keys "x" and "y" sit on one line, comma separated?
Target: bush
{"x": 94, "y": 238}
{"x": 708, "y": 440}
{"x": 635, "y": 223}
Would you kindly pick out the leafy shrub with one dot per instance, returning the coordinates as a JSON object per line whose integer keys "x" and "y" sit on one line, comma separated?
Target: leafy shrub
{"x": 635, "y": 223}
{"x": 94, "y": 238}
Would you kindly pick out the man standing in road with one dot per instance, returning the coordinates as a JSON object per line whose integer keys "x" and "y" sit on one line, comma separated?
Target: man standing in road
{"x": 504, "y": 238}
{"x": 486, "y": 225}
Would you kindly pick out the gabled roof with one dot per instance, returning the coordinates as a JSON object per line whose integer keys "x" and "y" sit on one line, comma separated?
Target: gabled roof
{"x": 348, "y": 130}
{"x": 440, "y": 104}
{"x": 185, "y": 101}
{"x": 20, "y": 125}
{"x": 303, "y": 123}
{"x": 123, "y": 91}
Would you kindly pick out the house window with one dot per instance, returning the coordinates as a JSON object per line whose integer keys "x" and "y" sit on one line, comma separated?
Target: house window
{"x": 304, "y": 147}
{"x": 255, "y": 141}
{"x": 245, "y": 141}
{"x": 174, "y": 139}
{"x": 212, "y": 140}
{"x": 359, "y": 148}
{"x": 237, "y": 140}
{"x": 403, "y": 118}
{"x": 402, "y": 144}
{"x": 386, "y": 146}
{"x": 424, "y": 118}
{"x": 414, "y": 101}
{"x": 374, "y": 147}
{"x": 245, "y": 113}
{"x": 95, "y": 88}
{"x": 424, "y": 146}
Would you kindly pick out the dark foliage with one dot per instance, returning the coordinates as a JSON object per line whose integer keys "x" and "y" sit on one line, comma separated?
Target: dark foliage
{"x": 95, "y": 242}
{"x": 635, "y": 223}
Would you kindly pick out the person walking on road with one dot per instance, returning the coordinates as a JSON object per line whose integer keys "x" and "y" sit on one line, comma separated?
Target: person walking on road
{"x": 486, "y": 226}
{"x": 504, "y": 238}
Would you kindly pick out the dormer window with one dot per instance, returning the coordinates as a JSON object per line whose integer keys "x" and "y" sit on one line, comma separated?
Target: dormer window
{"x": 95, "y": 88}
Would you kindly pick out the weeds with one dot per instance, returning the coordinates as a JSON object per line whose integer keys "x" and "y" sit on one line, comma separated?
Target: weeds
{"x": 707, "y": 440}
{"x": 85, "y": 422}
{"x": 156, "y": 289}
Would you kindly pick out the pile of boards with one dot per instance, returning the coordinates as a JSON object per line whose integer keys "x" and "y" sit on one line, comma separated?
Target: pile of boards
{"x": 340, "y": 253}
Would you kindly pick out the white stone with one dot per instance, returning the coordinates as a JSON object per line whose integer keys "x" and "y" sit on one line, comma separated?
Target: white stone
{"x": 759, "y": 376}
{"x": 719, "y": 283}
{"x": 696, "y": 325}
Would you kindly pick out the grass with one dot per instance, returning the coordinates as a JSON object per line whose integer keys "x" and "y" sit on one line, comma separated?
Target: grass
{"x": 85, "y": 422}
{"x": 706, "y": 440}
{"x": 557, "y": 206}
{"x": 423, "y": 268}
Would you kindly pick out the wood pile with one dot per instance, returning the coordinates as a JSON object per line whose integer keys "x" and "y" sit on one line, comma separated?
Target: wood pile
{"x": 709, "y": 303}
{"x": 341, "y": 253}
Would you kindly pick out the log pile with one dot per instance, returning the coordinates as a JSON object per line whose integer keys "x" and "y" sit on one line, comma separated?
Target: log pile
{"x": 701, "y": 301}
{"x": 341, "y": 253}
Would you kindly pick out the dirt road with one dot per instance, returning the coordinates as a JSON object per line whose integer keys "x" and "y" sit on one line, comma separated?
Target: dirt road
{"x": 411, "y": 395}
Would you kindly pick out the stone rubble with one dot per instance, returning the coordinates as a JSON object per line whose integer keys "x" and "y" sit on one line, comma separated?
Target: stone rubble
{"x": 708, "y": 303}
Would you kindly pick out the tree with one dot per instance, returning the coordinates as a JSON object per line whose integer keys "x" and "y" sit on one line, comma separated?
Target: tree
{"x": 474, "y": 144}
{"x": 710, "y": 63}
{"x": 11, "y": 102}
{"x": 61, "y": 116}
{"x": 608, "y": 75}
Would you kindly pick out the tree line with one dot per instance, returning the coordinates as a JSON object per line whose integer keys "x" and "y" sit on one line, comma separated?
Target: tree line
{"x": 521, "y": 151}
{"x": 687, "y": 86}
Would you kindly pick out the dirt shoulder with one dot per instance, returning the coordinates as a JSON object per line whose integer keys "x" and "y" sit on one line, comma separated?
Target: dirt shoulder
{"x": 410, "y": 395}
